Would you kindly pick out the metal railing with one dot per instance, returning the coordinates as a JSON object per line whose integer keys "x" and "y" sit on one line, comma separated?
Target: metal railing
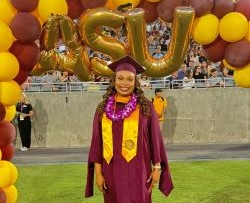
{"x": 151, "y": 85}
{"x": 202, "y": 83}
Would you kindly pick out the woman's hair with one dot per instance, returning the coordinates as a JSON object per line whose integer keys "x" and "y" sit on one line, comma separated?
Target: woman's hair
{"x": 25, "y": 98}
{"x": 188, "y": 73}
{"x": 203, "y": 62}
{"x": 195, "y": 68}
{"x": 141, "y": 99}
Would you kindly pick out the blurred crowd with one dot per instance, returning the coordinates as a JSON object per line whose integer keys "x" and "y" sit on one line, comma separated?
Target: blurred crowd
{"x": 194, "y": 68}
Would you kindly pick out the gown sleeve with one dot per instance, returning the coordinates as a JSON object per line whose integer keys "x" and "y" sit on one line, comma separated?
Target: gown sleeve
{"x": 95, "y": 155}
{"x": 158, "y": 153}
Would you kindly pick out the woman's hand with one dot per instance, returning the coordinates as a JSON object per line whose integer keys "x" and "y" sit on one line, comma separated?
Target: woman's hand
{"x": 100, "y": 182}
{"x": 154, "y": 178}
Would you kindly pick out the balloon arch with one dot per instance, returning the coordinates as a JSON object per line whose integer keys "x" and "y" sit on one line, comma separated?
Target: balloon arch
{"x": 222, "y": 27}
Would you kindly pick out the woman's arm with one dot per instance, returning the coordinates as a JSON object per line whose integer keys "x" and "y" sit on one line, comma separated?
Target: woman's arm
{"x": 100, "y": 181}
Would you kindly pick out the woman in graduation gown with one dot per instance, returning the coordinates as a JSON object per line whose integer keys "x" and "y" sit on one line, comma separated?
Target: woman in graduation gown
{"x": 127, "y": 154}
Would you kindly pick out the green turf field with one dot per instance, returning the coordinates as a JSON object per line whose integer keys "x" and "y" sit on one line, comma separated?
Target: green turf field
{"x": 195, "y": 182}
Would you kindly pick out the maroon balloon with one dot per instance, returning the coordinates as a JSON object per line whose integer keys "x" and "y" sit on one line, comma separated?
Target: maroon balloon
{"x": 237, "y": 54}
{"x": 201, "y": 6}
{"x": 243, "y": 6}
{"x": 25, "y": 27}
{"x": 75, "y": 8}
{"x": 7, "y": 133}
{"x": 3, "y": 198}
{"x": 223, "y": 7}
{"x": 93, "y": 3}
{"x": 27, "y": 54}
{"x": 25, "y": 5}
{"x": 2, "y": 112}
{"x": 8, "y": 152}
{"x": 215, "y": 51}
{"x": 165, "y": 9}
{"x": 21, "y": 76}
{"x": 150, "y": 10}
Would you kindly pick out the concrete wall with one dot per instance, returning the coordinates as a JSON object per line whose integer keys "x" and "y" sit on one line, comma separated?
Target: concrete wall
{"x": 192, "y": 116}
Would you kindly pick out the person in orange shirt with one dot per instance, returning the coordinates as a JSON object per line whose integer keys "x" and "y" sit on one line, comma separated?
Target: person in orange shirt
{"x": 160, "y": 104}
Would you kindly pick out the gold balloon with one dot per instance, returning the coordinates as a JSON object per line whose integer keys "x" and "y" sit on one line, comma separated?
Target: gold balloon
{"x": 11, "y": 194}
{"x": 6, "y": 37}
{"x": 8, "y": 174}
{"x": 7, "y": 11}
{"x": 47, "y": 8}
{"x": 47, "y": 61}
{"x": 173, "y": 59}
{"x": 50, "y": 34}
{"x": 242, "y": 77}
{"x": 78, "y": 61}
{"x": 10, "y": 113}
{"x": 90, "y": 29}
{"x": 74, "y": 61}
{"x": 10, "y": 93}
{"x": 233, "y": 27}
{"x": 205, "y": 29}
{"x": 100, "y": 68}
{"x": 9, "y": 66}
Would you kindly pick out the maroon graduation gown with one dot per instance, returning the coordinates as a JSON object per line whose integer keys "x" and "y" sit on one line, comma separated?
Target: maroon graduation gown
{"x": 127, "y": 181}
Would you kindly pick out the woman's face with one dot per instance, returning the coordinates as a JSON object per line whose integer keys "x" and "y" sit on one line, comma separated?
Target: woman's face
{"x": 124, "y": 82}
{"x": 198, "y": 70}
{"x": 204, "y": 64}
{"x": 191, "y": 53}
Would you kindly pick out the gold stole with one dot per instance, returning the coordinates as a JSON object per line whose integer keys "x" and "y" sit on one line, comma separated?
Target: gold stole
{"x": 129, "y": 140}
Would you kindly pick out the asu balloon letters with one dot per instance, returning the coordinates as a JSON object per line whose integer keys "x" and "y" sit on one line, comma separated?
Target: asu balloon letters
{"x": 137, "y": 45}
{"x": 91, "y": 22}
{"x": 90, "y": 29}
{"x": 173, "y": 59}
{"x": 75, "y": 60}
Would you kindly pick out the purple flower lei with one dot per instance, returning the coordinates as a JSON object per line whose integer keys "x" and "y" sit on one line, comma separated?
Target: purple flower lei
{"x": 122, "y": 113}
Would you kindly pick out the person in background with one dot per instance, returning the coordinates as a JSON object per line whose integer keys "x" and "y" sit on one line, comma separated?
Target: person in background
{"x": 145, "y": 83}
{"x": 163, "y": 45}
{"x": 160, "y": 104}
{"x": 158, "y": 54}
{"x": 188, "y": 80}
{"x": 127, "y": 149}
{"x": 214, "y": 80}
{"x": 182, "y": 71}
{"x": 205, "y": 69}
{"x": 228, "y": 79}
{"x": 65, "y": 77}
{"x": 173, "y": 80}
{"x": 49, "y": 80}
{"x": 197, "y": 75}
{"x": 24, "y": 113}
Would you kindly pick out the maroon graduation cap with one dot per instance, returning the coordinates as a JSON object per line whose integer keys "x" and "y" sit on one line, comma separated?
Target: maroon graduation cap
{"x": 126, "y": 63}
